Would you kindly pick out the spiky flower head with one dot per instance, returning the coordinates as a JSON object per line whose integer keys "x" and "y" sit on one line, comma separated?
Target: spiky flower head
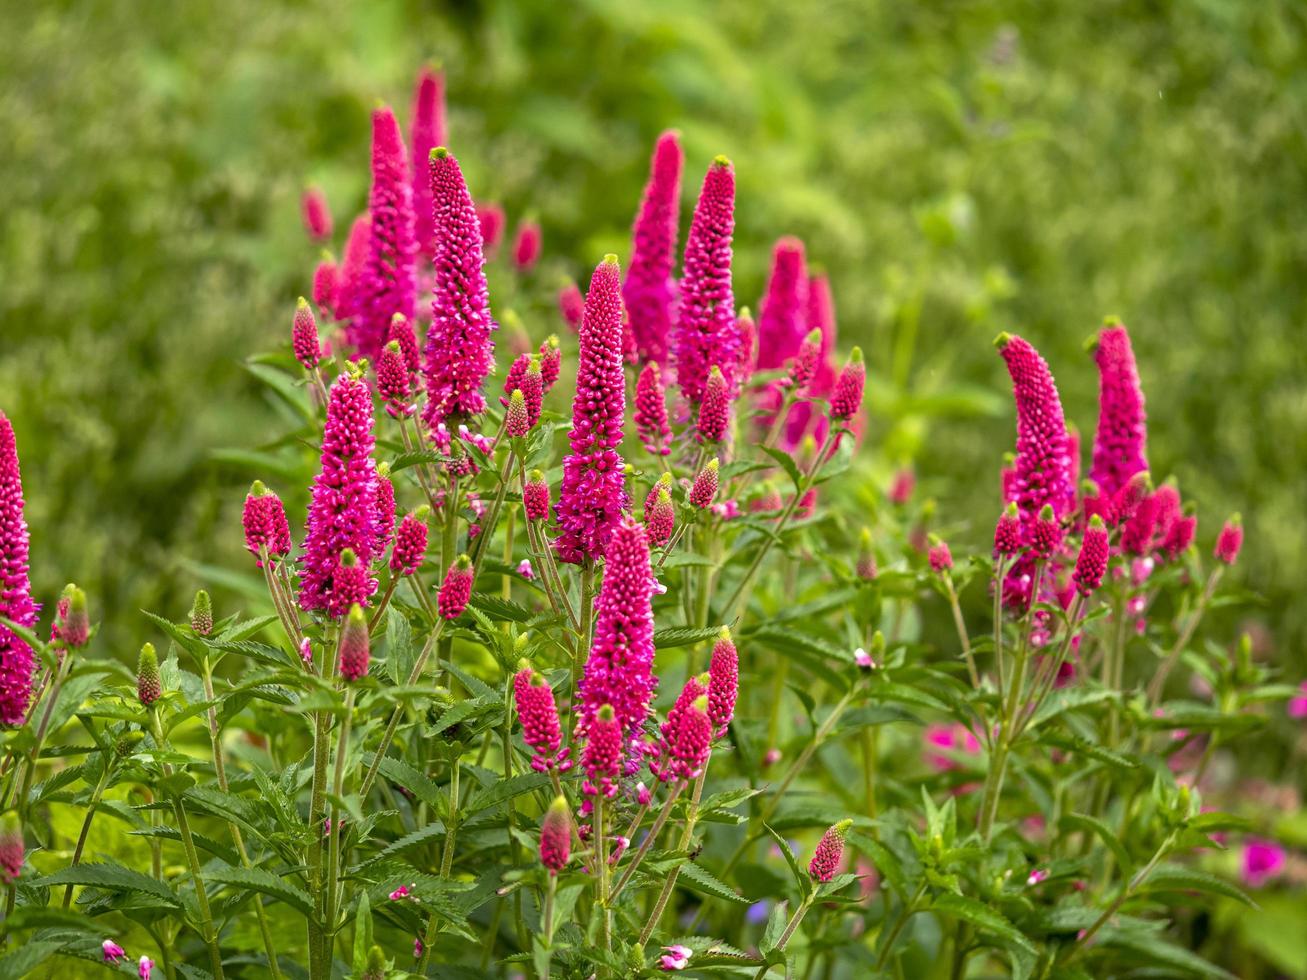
{"x": 660, "y": 519}
{"x": 456, "y": 589}
{"x": 804, "y": 364}
{"x": 715, "y": 409}
{"x": 304, "y": 336}
{"x": 1180, "y": 535}
{"x": 1140, "y": 530}
{"x": 1230, "y": 540}
{"x": 1007, "y": 532}
{"x": 571, "y": 304}
{"x": 1091, "y": 563}
{"x": 389, "y": 280}
{"x": 688, "y": 741}
{"x": 355, "y": 649}
{"x": 516, "y": 422}
{"x": 1047, "y": 534}
{"x": 526, "y": 246}
{"x": 428, "y": 132}
{"x": 649, "y": 290}
{"x": 72, "y": 620}
{"x": 11, "y": 847}
{"x": 393, "y": 381}
{"x": 781, "y": 314}
{"x": 537, "y": 709}
{"x": 593, "y": 494}
{"x": 602, "y": 757}
{"x": 706, "y": 333}
{"x": 326, "y": 285}
{"x": 343, "y": 510}
{"x": 149, "y": 687}
{"x": 317, "y": 214}
{"x": 16, "y": 603}
{"x": 1121, "y": 440}
{"x": 535, "y": 497}
{"x": 846, "y": 398}
{"x": 410, "y": 542}
{"x": 556, "y": 836}
{"x": 459, "y": 350}
{"x": 352, "y": 584}
{"x": 939, "y": 556}
{"x": 264, "y": 521}
{"x": 385, "y": 508}
{"x": 619, "y": 669}
{"x": 526, "y": 375}
{"x": 350, "y": 283}
{"x": 1042, "y": 465}
{"x": 651, "y": 411}
{"x": 724, "y": 681}
{"x": 202, "y": 613}
{"x": 826, "y": 859}
{"x": 705, "y": 486}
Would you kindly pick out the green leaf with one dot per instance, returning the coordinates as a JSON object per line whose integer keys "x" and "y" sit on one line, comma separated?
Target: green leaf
{"x": 775, "y": 926}
{"x": 709, "y": 884}
{"x": 258, "y": 880}
{"x": 362, "y": 933}
{"x": 1175, "y": 877}
{"x": 406, "y": 776}
{"x": 683, "y": 636}
{"x": 886, "y": 861}
{"x": 1158, "y": 950}
{"x": 23, "y": 961}
{"x": 800, "y": 876}
{"x": 983, "y": 917}
{"x": 506, "y": 789}
{"x": 399, "y": 646}
{"x": 1084, "y": 822}
{"x": 501, "y": 610}
{"x": 110, "y": 877}
{"x": 786, "y": 462}
{"x": 404, "y": 460}
{"x": 201, "y": 841}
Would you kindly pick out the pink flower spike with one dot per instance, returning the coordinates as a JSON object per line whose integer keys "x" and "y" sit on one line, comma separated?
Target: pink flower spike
{"x": 1007, "y": 532}
{"x": 830, "y": 849}
{"x": 846, "y": 400}
{"x": 781, "y": 313}
{"x": 939, "y": 556}
{"x": 410, "y": 542}
{"x": 538, "y": 711}
{"x": 144, "y": 967}
{"x": 660, "y": 518}
{"x": 556, "y": 836}
{"x": 304, "y": 336}
{"x": 571, "y": 304}
{"x": 1262, "y": 861}
{"x": 427, "y": 133}
{"x": 354, "y": 645}
{"x": 705, "y": 486}
{"x": 551, "y": 360}
{"x": 349, "y": 287}
{"x": 1230, "y": 540}
{"x": 317, "y": 214}
{"x": 535, "y": 497}
{"x": 602, "y": 757}
{"x": 456, "y": 589}
{"x": 326, "y": 284}
{"x": 492, "y": 222}
{"x": 619, "y": 669}
{"x": 724, "y": 682}
{"x": 649, "y": 291}
{"x": 526, "y": 246}
{"x": 516, "y": 422}
{"x": 12, "y": 850}
{"x": 459, "y": 349}
{"x": 1120, "y": 442}
{"x": 389, "y": 279}
{"x": 687, "y": 740}
{"x": 804, "y": 364}
{"x": 264, "y": 521}
{"x": 593, "y": 494}
{"x": 903, "y": 486}
{"x": 16, "y": 661}
{"x": 715, "y": 410}
{"x": 651, "y": 411}
{"x": 1046, "y": 536}
{"x": 393, "y": 381}
{"x": 1091, "y": 563}
{"x": 706, "y": 333}
{"x": 401, "y": 332}
{"x": 1180, "y": 536}
{"x": 112, "y": 951}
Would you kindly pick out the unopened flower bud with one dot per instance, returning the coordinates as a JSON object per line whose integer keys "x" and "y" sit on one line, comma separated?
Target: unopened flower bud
{"x": 1230, "y": 540}
{"x": 456, "y": 589}
{"x": 354, "y": 645}
{"x": 846, "y": 401}
{"x": 202, "y": 613}
{"x": 556, "y": 836}
{"x": 826, "y": 859}
{"x": 149, "y": 688}
{"x": 940, "y": 558}
{"x": 705, "y": 486}
{"x": 516, "y": 422}
{"x": 1007, "y": 532}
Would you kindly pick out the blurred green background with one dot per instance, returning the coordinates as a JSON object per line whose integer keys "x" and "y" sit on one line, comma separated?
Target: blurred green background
{"x": 958, "y": 168}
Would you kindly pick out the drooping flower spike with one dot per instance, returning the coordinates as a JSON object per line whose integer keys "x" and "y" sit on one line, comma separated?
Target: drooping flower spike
{"x": 459, "y": 349}
{"x": 651, "y": 411}
{"x": 389, "y": 283}
{"x": 706, "y": 332}
{"x": 649, "y": 291}
{"x": 72, "y": 622}
{"x": 428, "y": 132}
{"x": 826, "y": 859}
{"x": 1121, "y": 440}
{"x": 593, "y": 493}
{"x": 16, "y": 662}
{"x": 343, "y": 511}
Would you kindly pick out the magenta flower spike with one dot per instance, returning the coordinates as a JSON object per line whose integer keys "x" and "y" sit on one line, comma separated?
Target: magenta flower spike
{"x": 304, "y": 336}
{"x": 428, "y": 132}
{"x": 1140, "y": 530}
{"x": 16, "y": 603}
{"x": 724, "y": 682}
{"x": 781, "y": 313}
{"x": 355, "y": 651}
{"x": 525, "y": 375}
{"x": 317, "y": 214}
{"x": 1043, "y": 472}
{"x": 619, "y": 669}
{"x": 388, "y": 282}
{"x": 846, "y": 398}
{"x": 385, "y": 509}
{"x": 353, "y": 267}
{"x": 343, "y": 509}
{"x": 1046, "y": 537}
{"x": 1007, "y": 532}
{"x": 149, "y": 685}
{"x": 687, "y": 741}
{"x": 264, "y": 521}
{"x": 12, "y": 850}
{"x": 826, "y": 859}
{"x": 593, "y": 493}
{"x": 393, "y": 381}
{"x": 602, "y": 756}
{"x": 535, "y": 497}
{"x": 747, "y": 333}
{"x": 401, "y": 332}
{"x": 715, "y": 409}
{"x": 538, "y": 711}
{"x": 804, "y": 417}
{"x": 664, "y": 482}
{"x": 456, "y": 589}
{"x": 706, "y": 333}
{"x": 571, "y": 305}
{"x": 660, "y": 518}
{"x": 705, "y": 484}
{"x": 651, "y": 411}
{"x": 1230, "y": 540}
{"x": 326, "y": 284}
{"x": 460, "y": 351}
{"x": 939, "y": 556}
{"x": 516, "y": 421}
{"x": 1180, "y": 536}
{"x": 492, "y": 221}
{"x": 526, "y": 246}
{"x": 556, "y": 836}
{"x": 649, "y": 290}
{"x": 551, "y": 361}
{"x": 410, "y": 542}
{"x": 1121, "y": 440}
{"x": 1091, "y": 563}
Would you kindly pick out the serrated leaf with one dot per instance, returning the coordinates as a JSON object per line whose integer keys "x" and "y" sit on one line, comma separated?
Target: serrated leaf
{"x": 506, "y": 789}
{"x": 800, "y": 878}
{"x": 776, "y": 920}
{"x": 26, "y": 958}
{"x": 404, "y": 460}
{"x": 1175, "y": 877}
{"x": 704, "y": 881}
{"x": 111, "y": 877}
{"x": 681, "y": 636}
{"x": 402, "y": 774}
{"x": 1085, "y": 822}
{"x": 259, "y": 880}
{"x": 886, "y": 861}
{"x": 501, "y": 610}
{"x": 1158, "y": 950}
{"x": 983, "y": 917}
{"x": 399, "y": 646}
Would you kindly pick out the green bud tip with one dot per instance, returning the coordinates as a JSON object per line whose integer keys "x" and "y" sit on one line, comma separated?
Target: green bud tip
{"x": 462, "y": 562}
{"x": 516, "y": 399}
{"x": 523, "y": 664}
{"x": 348, "y": 558}
{"x": 842, "y": 826}
{"x": 383, "y": 469}
{"x": 855, "y": 356}
{"x": 439, "y": 153}
{"x": 1112, "y": 320}
{"x": 533, "y": 366}
{"x": 814, "y": 336}
{"x": 701, "y": 703}
{"x": 76, "y": 598}
{"x": 1236, "y": 519}
{"x": 610, "y": 259}
{"x": 724, "y": 634}
{"x": 356, "y": 617}
{"x": 934, "y": 540}
{"x": 721, "y": 162}
{"x": 745, "y": 314}
{"x": 864, "y": 538}
{"x": 712, "y": 464}
{"x": 552, "y": 341}
{"x": 393, "y": 346}
{"x": 148, "y": 658}
{"x": 326, "y": 255}
{"x": 1010, "y": 510}
{"x": 537, "y": 476}
{"x": 258, "y": 489}
{"x": 1096, "y": 523}
{"x": 560, "y": 805}
{"x": 665, "y": 480}
{"x": 606, "y": 713}
{"x": 1046, "y": 512}
{"x": 704, "y": 679}
{"x": 664, "y": 498}
{"x": 376, "y": 961}
{"x": 422, "y": 513}
{"x": 301, "y": 304}
{"x": 1002, "y": 340}
{"x": 878, "y": 641}
{"x": 716, "y": 372}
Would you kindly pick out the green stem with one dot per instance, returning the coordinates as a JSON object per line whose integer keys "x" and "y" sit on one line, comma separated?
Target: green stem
{"x": 790, "y": 928}
{"x": 91, "y": 809}
{"x": 648, "y": 841}
{"x": 961, "y": 627}
{"x": 318, "y": 962}
{"x": 909, "y": 911}
{"x": 337, "y": 790}
{"x": 1163, "y": 671}
{"x": 669, "y": 885}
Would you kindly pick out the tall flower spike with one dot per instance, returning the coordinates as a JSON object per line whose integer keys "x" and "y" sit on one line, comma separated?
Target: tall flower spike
{"x": 551, "y": 361}
{"x": 390, "y": 277}
{"x": 705, "y": 317}
{"x": 149, "y": 687}
{"x": 516, "y": 422}
{"x": 428, "y": 132}
{"x": 846, "y": 399}
{"x": 304, "y": 336}
{"x": 15, "y": 587}
{"x": 819, "y": 316}
{"x": 1043, "y": 472}
{"x": 352, "y": 585}
{"x": 459, "y": 351}
{"x": 619, "y": 669}
{"x": 571, "y": 304}
{"x": 826, "y": 859}
{"x": 526, "y": 375}
{"x": 705, "y": 486}
{"x": 393, "y": 381}
{"x": 724, "y": 681}
{"x": 1181, "y": 535}
{"x": 781, "y": 314}
{"x": 1091, "y": 563}
{"x": 535, "y": 497}
{"x": 353, "y": 269}
{"x": 1047, "y": 536}
{"x": 385, "y": 509}
{"x": 649, "y": 290}
{"x": 660, "y": 519}
{"x": 689, "y": 741}
{"x": 343, "y": 511}
{"x": 602, "y": 757}
{"x": 456, "y": 589}
{"x": 401, "y": 332}
{"x": 651, "y": 411}
{"x": 556, "y": 836}
{"x": 593, "y": 493}
{"x": 264, "y": 520}
{"x": 410, "y": 542}
{"x": 354, "y": 645}
{"x": 1121, "y": 441}
{"x": 539, "y": 713}
{"x": 317, "y": 214}
{"x": 715, "y": 410}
